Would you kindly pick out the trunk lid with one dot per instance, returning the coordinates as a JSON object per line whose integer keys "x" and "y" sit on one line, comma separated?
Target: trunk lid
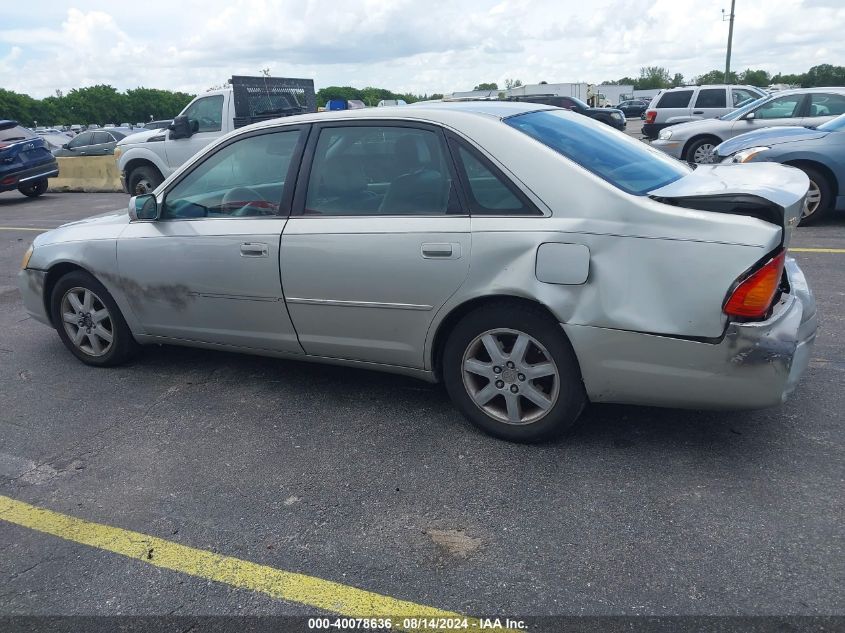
{"x": 767, "y": 191}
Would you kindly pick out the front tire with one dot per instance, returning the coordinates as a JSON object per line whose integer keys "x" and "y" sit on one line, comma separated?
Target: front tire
{"x": 819, "y": 198}
{"x": 144, "y": 179}
{"x": 701, "y": 151}
{"x": 511, "y": 371}
{"x": 89, "y": 322}
{"x": 35, "y": 189}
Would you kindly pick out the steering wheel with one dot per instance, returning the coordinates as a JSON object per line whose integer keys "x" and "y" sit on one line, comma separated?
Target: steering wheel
{"x": 247, "y": 202}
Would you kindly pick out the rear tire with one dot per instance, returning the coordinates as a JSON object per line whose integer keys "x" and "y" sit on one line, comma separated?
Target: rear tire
{"x": 529, "y": 388}
{"x": 143, "y": 180}
{"x": 819, "y": 198}
{"x": 89, "y": 322}
{"x": 35, "y": 189}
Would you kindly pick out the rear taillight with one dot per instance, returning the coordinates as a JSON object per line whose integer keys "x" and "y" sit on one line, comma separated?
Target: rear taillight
{"x": 650, "y": 116}
{"x": 753, "y": 294}
{"x": 9, "y": 180}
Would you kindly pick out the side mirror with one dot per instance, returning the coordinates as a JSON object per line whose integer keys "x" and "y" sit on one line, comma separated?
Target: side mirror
{"x": 750, "y": 116}
{"x": 182, "y": 127}
{"x": 143, "y": 208}
{"x": 195, "y": 126}
{"x": 66, "y": 146}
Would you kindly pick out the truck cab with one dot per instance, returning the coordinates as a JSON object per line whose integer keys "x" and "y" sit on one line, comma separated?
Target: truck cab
{"x": 147, "y": 158}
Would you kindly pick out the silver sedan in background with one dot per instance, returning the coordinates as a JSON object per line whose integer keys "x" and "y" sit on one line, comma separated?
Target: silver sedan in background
{"x": 531, "y": 259}
{"x": 695, "y": 141}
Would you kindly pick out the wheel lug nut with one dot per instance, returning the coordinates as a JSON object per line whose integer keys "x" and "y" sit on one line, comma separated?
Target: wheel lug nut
{"x": 500, "y": 384}
{"x": 521, "y": 377}
{"x": 514, "y": 389}
{"x": 497, "y": 370}
{"x": 510, "y": 364}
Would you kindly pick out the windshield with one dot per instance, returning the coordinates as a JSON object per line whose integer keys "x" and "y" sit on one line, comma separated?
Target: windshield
{"x": 624, "y": 162}
{"x": 580, "y": 103}
{"x": 834, "y": 125}
{"x": 749, "y": 105}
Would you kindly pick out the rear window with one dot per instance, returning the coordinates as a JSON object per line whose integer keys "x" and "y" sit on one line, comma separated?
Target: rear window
{"x": 676, "y": 99}
{"x": 17, "y": 133}
{"x": 624, "y": 162}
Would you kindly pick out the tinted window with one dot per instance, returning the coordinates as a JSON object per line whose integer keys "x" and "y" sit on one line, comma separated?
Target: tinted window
{"x": 621, "y": 160}
{"x": 826, "y": 104}
{"x": 102, "y": 137}
{"x": 488, "y": 193}
{"x": 208, "y": 111}
{"x": 380, "y": 170}
{"x": 86, "y": 138}
{"x": 676, "y": 99}
{"x": 711, "y": 98}
{"x": 16, "y": 133}
{"x": 244, "y": 179}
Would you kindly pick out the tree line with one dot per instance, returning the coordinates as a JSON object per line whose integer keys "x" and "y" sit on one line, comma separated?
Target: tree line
{"x": 658, "y": 77}
{"x": 101, "y": 104}
{"x": 369, "y": 95}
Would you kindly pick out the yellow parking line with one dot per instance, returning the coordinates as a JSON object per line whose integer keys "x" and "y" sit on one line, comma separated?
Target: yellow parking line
{"x": 817, "y": 250}
{"x": 283, "y": 585}
{"x": 23, "y": 228}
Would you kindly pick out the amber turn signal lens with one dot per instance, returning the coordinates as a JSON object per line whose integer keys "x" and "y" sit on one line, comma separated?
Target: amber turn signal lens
{"x": 753, "y": 296}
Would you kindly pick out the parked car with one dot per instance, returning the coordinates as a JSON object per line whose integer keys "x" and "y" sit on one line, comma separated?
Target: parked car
{"x": 691, "y": 103}
{"x": 54, "y": 141}
{"x": 91, "y": 143}
{"x": 819, "y": 153}
{"x": 695, "y": 141}
{"x": 633, "y": 108}
{"x": 599, "y": 270}
{"x": 611, "y": 116}
{"x": 25, "y": 160}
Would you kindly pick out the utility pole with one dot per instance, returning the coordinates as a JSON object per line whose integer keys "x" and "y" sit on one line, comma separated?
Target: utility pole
{"x": 730, "y": 40}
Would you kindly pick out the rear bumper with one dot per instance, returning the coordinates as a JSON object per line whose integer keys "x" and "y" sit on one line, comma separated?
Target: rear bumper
{"x": 754, "y": 365}
{"x": 49, "y": 169}
{"x": 651, "y": 130}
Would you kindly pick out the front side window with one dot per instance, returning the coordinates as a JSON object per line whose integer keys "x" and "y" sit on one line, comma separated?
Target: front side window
{"x": 244, "y": 179}
{"x": 676, "y": 99}
{"x": 380, "y": 170}
{"x": 780, "y": 108}
{"x": 619, "y": 159}
{"x": 711, "y": 98}
{"x": 208, "y": 112}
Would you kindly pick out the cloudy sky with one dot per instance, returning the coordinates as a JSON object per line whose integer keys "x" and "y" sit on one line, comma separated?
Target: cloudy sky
{"x": 405, "y": 45}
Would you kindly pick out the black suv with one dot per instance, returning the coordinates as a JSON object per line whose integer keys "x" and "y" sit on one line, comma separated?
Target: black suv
{"x": 613, "y": 117}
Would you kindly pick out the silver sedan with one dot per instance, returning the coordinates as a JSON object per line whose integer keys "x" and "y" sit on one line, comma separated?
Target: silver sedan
{"x": 531, "y": 259}
{"x": 695, "y": 141}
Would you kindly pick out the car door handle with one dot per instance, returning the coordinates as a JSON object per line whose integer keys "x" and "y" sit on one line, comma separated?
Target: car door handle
{"x": 698, "y": 111}
{"x": 443, "y": 250}
{"x": 254, "y": 249}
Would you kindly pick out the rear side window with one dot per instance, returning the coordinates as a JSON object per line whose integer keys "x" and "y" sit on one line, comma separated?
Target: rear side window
{"x": 676, "y": 99}
{"x": 621, "y": 160}
{"x": 102, "y": 137}
{"x": 488, "y": 192}
{"x": 711, "y": 98}
{"x": 826, "y": 104}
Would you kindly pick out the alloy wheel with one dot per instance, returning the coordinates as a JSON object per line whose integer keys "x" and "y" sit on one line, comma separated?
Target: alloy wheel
{"x": 813, "y": 200}
{"x": 510, "y": 376}
{"x": 87, "y": 321}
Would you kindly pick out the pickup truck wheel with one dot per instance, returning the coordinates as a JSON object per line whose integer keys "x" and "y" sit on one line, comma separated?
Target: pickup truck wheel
{"x": 819, "y": 197}
{"x": 89, "y": 322}
{"x": 701, "y": 151}
{"x": 511, "y": 371}
{"x": 143, "y": 180}
{"x": 35, "y": 189}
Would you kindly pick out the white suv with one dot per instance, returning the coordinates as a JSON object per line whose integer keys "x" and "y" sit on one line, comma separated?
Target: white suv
{"x": 690, "y": 103}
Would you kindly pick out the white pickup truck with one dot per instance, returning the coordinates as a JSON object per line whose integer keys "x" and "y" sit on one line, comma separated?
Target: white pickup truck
{"x": 147, "y": 158}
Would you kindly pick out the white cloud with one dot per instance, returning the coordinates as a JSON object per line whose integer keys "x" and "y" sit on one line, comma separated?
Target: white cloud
{"x": 404, "y": 45}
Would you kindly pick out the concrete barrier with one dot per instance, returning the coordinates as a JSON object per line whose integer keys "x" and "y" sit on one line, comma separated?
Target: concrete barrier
{"x": 91, "y": 174}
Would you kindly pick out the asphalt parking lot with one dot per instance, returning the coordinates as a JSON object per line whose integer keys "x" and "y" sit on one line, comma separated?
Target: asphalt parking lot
{"x": 375, "y": 481}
